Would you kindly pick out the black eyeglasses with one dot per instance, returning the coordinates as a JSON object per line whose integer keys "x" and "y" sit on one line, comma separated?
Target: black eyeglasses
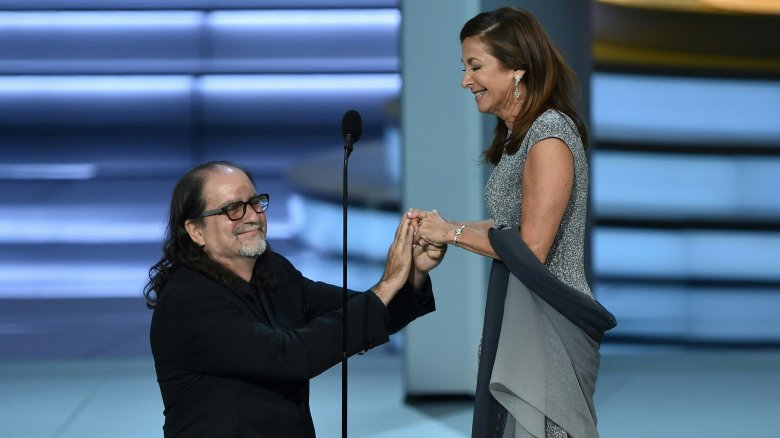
{"x": 236, "y": 210}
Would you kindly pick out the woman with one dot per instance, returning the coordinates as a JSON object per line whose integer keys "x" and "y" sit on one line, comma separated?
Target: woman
{"x": 539, "y": 354}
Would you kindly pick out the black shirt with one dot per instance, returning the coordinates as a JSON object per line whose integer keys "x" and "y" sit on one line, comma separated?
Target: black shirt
{"x": 237, "y": 361}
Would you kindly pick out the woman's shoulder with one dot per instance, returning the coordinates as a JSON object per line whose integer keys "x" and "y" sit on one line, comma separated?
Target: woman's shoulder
{"x": 552, "y": 120}
{"x": 554, "y": 123}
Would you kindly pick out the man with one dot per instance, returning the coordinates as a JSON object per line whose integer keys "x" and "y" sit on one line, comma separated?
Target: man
{"x": 237, "y": 331}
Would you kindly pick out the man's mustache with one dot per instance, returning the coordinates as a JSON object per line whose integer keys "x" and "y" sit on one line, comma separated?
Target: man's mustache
{"x": 246, "y": 228}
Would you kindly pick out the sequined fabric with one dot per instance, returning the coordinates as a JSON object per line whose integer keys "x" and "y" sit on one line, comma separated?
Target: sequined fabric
{"x": 552, "y": 430}
{"x": 504, "y": 198}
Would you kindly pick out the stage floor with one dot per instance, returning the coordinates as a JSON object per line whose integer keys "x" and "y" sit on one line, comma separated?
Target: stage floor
{"x": 664, "y": 393}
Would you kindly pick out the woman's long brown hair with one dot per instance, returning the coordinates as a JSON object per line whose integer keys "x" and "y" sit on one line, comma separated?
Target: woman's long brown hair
{"x": 519, "y": 42}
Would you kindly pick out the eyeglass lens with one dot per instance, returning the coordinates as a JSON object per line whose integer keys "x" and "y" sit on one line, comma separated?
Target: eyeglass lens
{"x": 237, "y": 210}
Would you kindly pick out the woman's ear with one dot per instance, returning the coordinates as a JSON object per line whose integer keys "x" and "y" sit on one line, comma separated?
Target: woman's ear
{"x": 193, "y": 229}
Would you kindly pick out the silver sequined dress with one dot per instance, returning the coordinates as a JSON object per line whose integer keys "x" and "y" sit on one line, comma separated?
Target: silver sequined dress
{"x": 503, "y": 196}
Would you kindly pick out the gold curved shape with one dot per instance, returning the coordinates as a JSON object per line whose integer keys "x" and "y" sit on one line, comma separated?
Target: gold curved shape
{"x": 686, "y": 36}
{"x": 744, "y": 6}
{"x": 712, "y": 6}
{"x": 666, "y": 5}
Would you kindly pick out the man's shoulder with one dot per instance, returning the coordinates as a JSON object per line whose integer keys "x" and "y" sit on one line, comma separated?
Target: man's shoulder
{"x": 189, "y": 281}
{"x": 278, "y": 263}
{"x": 185, "y": 275}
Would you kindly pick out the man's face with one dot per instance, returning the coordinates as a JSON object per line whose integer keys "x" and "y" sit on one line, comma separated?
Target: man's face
{"x": 231, "y": 243}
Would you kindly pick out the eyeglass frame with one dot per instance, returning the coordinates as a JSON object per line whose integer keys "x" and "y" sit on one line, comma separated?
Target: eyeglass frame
{"x": 224, "y": 210}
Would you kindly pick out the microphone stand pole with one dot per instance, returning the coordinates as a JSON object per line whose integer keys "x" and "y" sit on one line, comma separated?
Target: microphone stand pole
{"x": 347, "y": 151}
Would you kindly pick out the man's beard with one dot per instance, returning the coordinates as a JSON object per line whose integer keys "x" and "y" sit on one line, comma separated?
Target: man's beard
{"x": 253, "y": 247}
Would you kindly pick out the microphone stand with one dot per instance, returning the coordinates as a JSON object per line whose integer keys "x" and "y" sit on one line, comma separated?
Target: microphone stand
{"x": 348, "y": 141}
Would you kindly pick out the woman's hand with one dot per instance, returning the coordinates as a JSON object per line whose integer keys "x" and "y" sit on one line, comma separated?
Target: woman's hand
{"x": 434, "y": 229}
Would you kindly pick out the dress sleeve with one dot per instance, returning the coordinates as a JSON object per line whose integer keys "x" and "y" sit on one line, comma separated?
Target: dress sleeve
{"x": 553, "y": 124}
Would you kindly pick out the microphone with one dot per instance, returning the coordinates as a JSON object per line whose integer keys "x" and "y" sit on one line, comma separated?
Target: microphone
{"x": 351, "y": 129}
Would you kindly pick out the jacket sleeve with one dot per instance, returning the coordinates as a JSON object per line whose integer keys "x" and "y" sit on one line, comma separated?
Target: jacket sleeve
{"x": 405, "y": 307}
{"x": 410, "y": 304}
{"x": 205, "y": 330}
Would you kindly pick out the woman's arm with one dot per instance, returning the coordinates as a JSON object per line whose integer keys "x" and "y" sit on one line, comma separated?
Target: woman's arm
{"x": 472, "y": 236}
{"x": 482, "y": 225}
{"x": 548, "y": 178}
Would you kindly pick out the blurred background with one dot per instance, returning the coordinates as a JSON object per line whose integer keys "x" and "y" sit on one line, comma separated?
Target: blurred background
{"x": 105, "y": 104}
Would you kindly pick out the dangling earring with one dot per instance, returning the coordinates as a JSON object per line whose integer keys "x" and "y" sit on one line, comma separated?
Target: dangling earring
{"x": 517, "y": 86}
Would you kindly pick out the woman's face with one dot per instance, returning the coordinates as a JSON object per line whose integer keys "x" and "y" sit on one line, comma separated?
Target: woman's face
{"x": 492, "y": 84}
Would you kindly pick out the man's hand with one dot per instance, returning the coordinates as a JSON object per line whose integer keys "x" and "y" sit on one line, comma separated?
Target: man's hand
{"x": 427, "y": 256}
{"x": 399, "y": 263}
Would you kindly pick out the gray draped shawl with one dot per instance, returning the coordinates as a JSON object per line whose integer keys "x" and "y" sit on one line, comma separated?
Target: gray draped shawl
{"x": 547, "y": 358}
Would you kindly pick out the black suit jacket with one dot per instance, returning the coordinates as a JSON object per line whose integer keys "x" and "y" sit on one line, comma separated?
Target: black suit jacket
{"x": 236, "y": 362}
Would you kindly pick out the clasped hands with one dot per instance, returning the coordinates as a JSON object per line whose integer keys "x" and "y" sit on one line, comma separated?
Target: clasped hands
{"x": 417, "y": 248}
{"x": 432, "y": 228}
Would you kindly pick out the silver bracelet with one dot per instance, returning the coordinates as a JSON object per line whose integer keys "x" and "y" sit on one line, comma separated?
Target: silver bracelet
{"x": 457, "y": 234}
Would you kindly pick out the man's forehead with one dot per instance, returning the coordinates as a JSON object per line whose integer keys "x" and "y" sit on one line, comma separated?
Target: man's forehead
{"x": 227, "y": 184}
{"x": 225, "y": 175}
